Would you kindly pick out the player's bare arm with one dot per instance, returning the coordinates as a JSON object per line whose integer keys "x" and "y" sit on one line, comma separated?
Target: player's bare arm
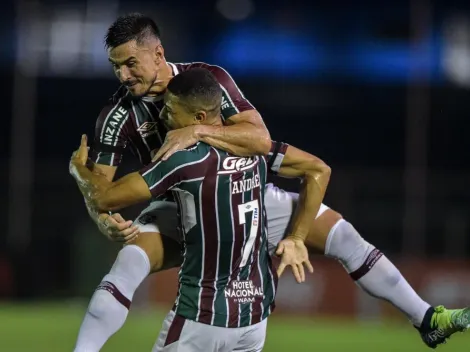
{"x": 243, "y": 134}
{"x": 315, "y": 175}
{"x": 108, "y": 173}
{"x": 113, "y": 226}
{"x": 103, "y": 194}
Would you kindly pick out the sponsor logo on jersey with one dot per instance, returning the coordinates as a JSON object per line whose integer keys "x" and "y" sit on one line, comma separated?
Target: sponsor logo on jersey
{"x": 243, "y": 291}
{"x": 232, "y": 165}
{"x": 147, "y": 129}
{"x": 114, "y": 125}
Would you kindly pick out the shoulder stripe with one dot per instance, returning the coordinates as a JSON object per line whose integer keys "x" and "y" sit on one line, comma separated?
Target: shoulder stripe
{"x": 113, "y": 124}
{"x": 107, "y": 117}
{"x": 227, "y": 96}
{"x": 174, "y": 170}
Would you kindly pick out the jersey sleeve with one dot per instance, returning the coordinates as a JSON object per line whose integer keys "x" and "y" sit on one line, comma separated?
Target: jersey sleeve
{"x": 163, "y": 176}
{"x": 276, "y": 156}
{"x": 110, "y": 135}
{"x": 233, "y": 100}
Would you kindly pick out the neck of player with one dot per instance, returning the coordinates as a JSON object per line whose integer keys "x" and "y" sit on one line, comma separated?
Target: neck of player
{"x": 160, "y": 84}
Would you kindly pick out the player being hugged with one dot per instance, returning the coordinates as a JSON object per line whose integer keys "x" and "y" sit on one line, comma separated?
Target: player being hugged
{"x": 131, "y": 121}
{"x": 227, "y": 284}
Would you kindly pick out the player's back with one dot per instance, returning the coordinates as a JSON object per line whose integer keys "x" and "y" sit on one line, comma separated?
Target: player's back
{"x": 226, "y": 278}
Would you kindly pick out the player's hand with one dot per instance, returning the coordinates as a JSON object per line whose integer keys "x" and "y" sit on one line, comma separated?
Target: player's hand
{"x": 117, "y": 229}
{"x": 293, "y": 253}
{"x": 80, "y": 156}
{"x": 176, "y": 140}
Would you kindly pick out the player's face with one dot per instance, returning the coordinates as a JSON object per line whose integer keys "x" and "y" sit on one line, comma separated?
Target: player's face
{"x": 137, "y": 66}
{"x": 175, "y": 113}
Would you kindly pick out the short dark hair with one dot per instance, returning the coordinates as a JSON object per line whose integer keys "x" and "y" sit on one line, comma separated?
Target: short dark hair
{"x": 133, "y": 26}
{"x": 198, "y": 87}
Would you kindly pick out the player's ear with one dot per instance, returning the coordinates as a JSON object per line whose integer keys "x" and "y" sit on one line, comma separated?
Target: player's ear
{"x": 200, "y": 116}
{"x": 159, "y": 53}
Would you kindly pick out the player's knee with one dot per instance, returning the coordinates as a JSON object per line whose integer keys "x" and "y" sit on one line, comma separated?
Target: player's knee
{"x": 129, "y": 270}
{"x": 162, "y": 251}
{"x": 321, "y": 231}
{"x": 151, "y": 244}
{"x": 344, "y": 241}
{"x": 347, "y": 234}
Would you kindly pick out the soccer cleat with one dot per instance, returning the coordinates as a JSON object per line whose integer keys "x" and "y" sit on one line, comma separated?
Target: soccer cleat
{"x": 440, "y": 323}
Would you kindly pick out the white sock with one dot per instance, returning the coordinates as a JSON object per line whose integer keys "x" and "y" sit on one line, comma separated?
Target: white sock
{"x": 373, "y": 272}
{"x": 110, "y": 303}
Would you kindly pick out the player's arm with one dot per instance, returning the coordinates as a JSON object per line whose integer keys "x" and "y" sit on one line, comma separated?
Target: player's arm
{"x": 106, "y": 153}
{"x": 288, "y": 161}
{"x": 105, "y": 195}
{"x": 244, "y": 132}
{"x": 101, "y": 193}
{"x": 153, "y": 180}
{"x": 107, "y": 172}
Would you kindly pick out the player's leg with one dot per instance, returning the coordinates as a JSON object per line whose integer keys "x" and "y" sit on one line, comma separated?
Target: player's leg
{"x": 338, "y": 239}
{"x": 150, "y": 252}
{"x": 252, "y": 337}
{"x": 179, "y": 334}
{"x": 376, "y": 275}
{"x": 366, "y": 265}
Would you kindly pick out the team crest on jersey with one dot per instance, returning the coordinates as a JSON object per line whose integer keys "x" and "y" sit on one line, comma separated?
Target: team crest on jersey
{"x": 147, "y": 129}
{"x": 232, "y": 165}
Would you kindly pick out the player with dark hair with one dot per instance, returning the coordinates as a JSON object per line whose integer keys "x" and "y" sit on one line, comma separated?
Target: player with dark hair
{"x": 226, "y": 278}
{"x": 131, "y": 120}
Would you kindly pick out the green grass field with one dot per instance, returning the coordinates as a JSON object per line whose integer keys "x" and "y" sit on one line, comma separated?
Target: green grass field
{"x": 53, "y": 328}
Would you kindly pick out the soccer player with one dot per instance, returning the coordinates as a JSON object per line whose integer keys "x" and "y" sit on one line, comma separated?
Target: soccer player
{"x": 226, "y": 283}
{"x": 130, "y": 120}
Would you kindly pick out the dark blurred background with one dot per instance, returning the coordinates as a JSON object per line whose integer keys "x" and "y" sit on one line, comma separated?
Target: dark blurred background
{"x": 379, "y": 90}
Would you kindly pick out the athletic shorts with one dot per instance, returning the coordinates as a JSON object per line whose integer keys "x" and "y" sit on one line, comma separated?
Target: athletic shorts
{"x": 182, "y": 335}
{"x": 161, "y": 217}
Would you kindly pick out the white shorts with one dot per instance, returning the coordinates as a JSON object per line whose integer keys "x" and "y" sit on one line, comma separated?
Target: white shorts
{"x": 160, "y": 216}
{"x": 181, "y": 335}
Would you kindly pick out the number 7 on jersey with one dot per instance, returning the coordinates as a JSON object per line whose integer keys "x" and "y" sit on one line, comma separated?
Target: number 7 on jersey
{"x": 252, "y": 206}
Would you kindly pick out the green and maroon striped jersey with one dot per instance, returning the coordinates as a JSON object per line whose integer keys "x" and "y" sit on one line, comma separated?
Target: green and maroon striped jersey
{"x": 127, "y": 122}
{"x": 226, "y": 278}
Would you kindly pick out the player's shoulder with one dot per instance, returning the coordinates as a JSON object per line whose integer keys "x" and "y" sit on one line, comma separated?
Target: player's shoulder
{"x": 195, "y": 153}
{"x": 119, "y": 103}
{"x": 218, "y": 71}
